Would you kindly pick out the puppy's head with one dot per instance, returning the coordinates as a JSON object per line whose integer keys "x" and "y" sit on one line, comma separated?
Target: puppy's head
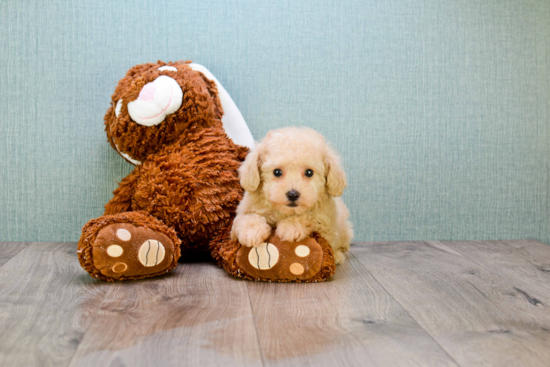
{"x": 293, "y": 168}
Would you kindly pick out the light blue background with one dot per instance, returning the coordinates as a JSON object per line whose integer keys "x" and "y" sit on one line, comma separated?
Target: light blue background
{"x": 439, "y": 108}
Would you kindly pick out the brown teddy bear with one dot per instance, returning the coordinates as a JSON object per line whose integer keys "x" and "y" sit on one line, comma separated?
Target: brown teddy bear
{"x": 168, "y": 120}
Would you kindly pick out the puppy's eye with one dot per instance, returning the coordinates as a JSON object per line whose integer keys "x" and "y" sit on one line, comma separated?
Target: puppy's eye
{"x": 309, "y": 172}
{"x": 277, "y": 173}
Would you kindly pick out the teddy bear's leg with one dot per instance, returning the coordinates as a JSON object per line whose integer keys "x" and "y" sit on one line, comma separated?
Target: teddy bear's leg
{"x": 130, "y": 245}
{"x": 122, "y": 196}
{"x": 310, "y": 260}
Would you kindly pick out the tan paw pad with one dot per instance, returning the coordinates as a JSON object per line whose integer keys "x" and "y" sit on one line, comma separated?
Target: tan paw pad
{"x": 115, "y": 251}
{"x": 264, "y": 256}
{"x": 119, "y": 267}
{"x": 296, "y": 269}
{"x": 151, "y": 253}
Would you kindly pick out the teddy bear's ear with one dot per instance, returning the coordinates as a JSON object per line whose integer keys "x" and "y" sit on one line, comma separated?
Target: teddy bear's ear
{"x": 233, "y": 122}
{"x": 336, "y": 177}
{"x": 249, "y": 172}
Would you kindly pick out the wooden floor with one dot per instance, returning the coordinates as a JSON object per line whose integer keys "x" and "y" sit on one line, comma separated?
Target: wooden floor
{"x": 481, "y": 303}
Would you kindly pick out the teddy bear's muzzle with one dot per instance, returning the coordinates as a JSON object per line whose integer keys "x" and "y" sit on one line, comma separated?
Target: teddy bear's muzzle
{"x": 156, "y": 100}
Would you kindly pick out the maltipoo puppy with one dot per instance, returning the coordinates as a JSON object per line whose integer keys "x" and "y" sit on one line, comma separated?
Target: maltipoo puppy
{"x": 292, "y": 181}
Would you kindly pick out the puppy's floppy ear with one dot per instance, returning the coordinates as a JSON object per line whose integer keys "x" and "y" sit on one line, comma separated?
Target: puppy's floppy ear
{"x": 336, "y": 177}
{"x": 249, "y": 171}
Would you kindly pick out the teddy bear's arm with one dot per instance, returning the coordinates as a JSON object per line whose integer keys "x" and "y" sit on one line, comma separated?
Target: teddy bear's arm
{"x": 122, "y": 199}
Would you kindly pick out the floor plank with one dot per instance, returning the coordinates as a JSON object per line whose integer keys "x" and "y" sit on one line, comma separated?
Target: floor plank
{"x": 477, "y": 317}
{"x": 348, "y": 321}
{"x": 529, "y": 279}
{"x": 9, "y": 250}
{"x": 476, "y": 303}
{"x": 46, "y": 305}
{"x": 536, "y": 252}
{"x": 197, "y": 316}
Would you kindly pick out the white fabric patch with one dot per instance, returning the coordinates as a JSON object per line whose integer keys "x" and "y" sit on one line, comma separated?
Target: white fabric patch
{"x": 124, "y": 234}
{"x": 263, "y": 257}
{"x": 118, "y": 107}
{"x": 233, "y": 122}
{"x": 171, "y": 68}
{"x": 156, "y": 100}
{"x": 151, "y": 253}
{"x": 302, "y": 251}
{"x": 114, "y": 251}
{"x": 135, "y": 162}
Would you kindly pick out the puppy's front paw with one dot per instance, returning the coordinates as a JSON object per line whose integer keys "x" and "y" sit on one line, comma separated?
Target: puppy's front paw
{"x": 291, "y": 232}
{"x": 255, "y": 235}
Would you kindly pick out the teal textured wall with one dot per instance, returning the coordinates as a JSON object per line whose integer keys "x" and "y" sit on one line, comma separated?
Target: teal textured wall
{"x": 440, "y": 108}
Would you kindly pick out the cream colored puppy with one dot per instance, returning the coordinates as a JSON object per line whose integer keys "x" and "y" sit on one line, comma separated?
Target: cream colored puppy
{"x": 292, "y": 181}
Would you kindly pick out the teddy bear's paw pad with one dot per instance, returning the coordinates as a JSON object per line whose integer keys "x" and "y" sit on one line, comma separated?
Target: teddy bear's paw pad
{"x": 264, "y": 256}
{"x": 279, "y": 260}
{"x": 125, "y": 250}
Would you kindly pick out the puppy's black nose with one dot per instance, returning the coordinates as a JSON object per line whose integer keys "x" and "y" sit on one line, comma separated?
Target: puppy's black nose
{"x": 292, "y": 195}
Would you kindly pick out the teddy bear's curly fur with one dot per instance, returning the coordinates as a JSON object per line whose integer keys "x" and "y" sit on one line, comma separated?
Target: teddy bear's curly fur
{"x": 184, "y": 189}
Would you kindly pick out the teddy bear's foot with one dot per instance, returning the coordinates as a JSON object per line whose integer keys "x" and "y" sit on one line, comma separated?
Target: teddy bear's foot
{"x": 130, "y": 245}
{"x": 310, "y": 260}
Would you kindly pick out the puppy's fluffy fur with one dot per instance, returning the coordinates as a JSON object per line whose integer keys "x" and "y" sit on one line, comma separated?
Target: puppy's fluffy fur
{"x": 266, "y": 204}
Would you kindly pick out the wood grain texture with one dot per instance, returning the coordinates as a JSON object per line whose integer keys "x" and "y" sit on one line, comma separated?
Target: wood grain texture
{"x": 9, "y": 250}
{"x": 475, "y": 303}
{"x": 195, "y": 316}
{"x": 528, "y": 278}
{"x": 479, "y": 318}
{"x": 348, "y": 321}
{"x": 536, "y": 252}
{"x": 47, "y": 303}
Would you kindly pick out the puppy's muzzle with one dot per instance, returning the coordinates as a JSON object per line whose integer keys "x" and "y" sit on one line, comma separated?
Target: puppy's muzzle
{"x": 292, "y": 195}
